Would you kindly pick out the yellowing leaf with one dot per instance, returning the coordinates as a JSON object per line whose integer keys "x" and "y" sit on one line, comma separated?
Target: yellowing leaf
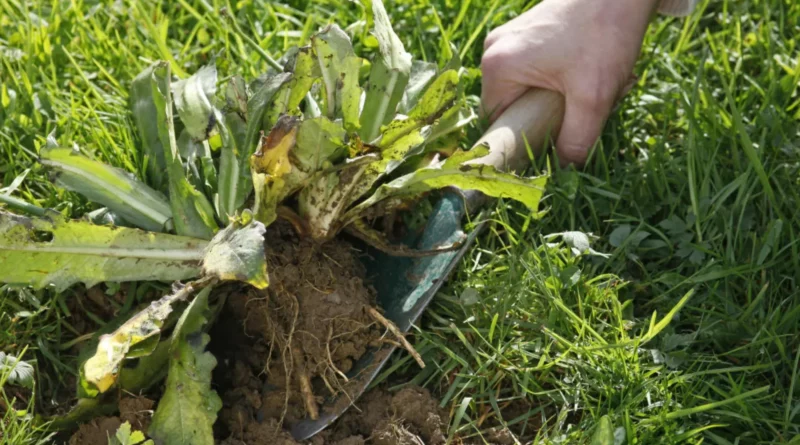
{"x": 100, "y": 372}
{"x": 454, "y": 172}
{"x": 269, "y": 165}
{"x": 339, "y": 67}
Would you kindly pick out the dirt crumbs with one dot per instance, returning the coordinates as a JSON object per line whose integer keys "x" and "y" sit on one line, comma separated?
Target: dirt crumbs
{"x": 135, "y": 410}
{"x": 96, "y": 432}
{"x": 409, "y": 417}
{"x": 138, "y": 411}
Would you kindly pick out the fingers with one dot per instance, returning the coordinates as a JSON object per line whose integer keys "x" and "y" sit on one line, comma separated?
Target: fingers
{"x": 584, "y": 118}
{"x": 498, "y": 90}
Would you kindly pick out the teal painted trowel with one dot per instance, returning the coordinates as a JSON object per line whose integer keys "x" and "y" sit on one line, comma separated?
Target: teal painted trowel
{"x": 406, "y": 286}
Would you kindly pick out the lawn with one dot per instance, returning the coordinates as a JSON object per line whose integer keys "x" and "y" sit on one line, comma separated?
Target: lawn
{"x": 681, "y": 325}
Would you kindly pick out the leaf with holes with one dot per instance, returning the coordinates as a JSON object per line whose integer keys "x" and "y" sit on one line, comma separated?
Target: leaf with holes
{"x": 53, "y": 251}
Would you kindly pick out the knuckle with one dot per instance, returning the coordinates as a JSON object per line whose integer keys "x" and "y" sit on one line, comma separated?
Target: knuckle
{"x": 491, "y": 39}
{"x": 595, "y": 93}
{"x": 493, "y": 60}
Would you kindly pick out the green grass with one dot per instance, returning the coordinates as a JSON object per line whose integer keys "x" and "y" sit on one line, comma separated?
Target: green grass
{"x": 692, "y": 193}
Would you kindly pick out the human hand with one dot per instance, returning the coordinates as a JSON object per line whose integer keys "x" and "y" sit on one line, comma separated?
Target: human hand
{"x": 584, "y": 49}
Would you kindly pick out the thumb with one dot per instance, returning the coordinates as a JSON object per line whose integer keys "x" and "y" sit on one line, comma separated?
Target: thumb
{"x": 583, "y": 123}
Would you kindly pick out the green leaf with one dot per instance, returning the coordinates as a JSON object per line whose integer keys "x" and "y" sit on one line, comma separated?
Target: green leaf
{"x": 52, "y": 251}
{"x": 209, "y": 170}
{"x": 422, "y": 73}
{"x": 190, "y": 151}
{"x": 137, "y": 337}
{"x": 340, "y": 68}
{"x": 192, "y": 213}
{"x": 236, "y": 95}
{"x": 17, "y": 371}
{"x": 232, "y": 187}
{"x": 318, "y": 140}
{"x": 112, "y": 187}
{"x": 256, "y": 110}
{"x": 193, "y": 102}
{"x": 619, "y": 235}
{"x": 143, "y": 109}
{"x": 237, "y": 253}
{"x": 604, "y": 434}
{"x": 188, "y": 409}
{"x": 388, "y": 76}
{"x": 149, "y": 370}
{"x": 454, "y": 172}
{"x": 288, "y": 97}
{"x": 124, "y": 436}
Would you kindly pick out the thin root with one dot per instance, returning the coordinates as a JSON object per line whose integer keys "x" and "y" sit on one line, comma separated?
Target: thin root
{"x": 394, "y": 330}
{"x": 305, "y": 383}
{"x": 330, "y": 356}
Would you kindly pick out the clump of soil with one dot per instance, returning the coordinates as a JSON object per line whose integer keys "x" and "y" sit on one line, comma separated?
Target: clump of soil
{"x": 96, "y": 432}
{"x": 283, "y": 350}
{"x": 135, "y": 410}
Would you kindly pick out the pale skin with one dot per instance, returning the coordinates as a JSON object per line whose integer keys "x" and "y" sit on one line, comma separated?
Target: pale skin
{"x": 584, "y": 49}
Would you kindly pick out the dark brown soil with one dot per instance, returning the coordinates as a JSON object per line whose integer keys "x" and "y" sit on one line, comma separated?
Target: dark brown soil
{"x": 96, "y": 432}
{"x": 16, "y": 398}
{"x": 408, "y": 417}
{"x": 135, "y": 410}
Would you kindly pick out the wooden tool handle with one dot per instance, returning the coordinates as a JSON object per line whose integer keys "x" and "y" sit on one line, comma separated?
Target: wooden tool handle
{"x": 533, "y": 118}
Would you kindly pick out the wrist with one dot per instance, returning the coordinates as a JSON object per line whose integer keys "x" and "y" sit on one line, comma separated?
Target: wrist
{"x": 646, "y": 8}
